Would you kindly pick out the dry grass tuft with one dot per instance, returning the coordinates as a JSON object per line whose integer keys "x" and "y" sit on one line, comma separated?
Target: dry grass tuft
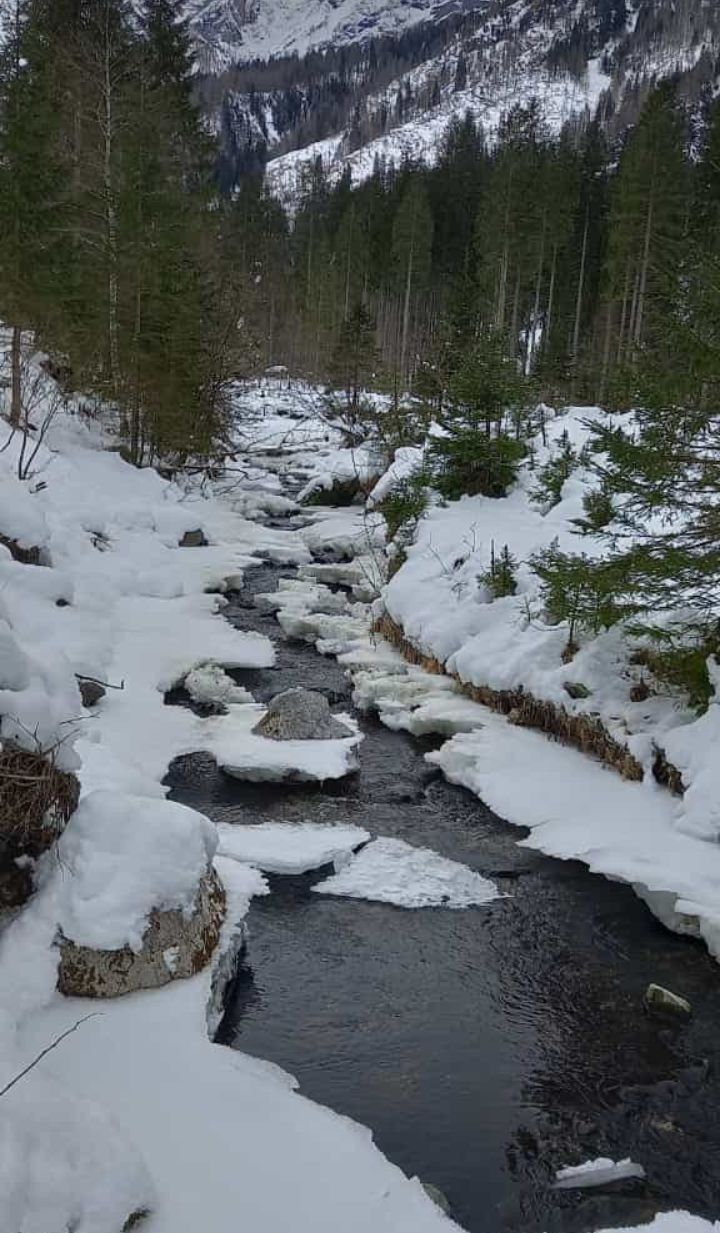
{"x": 667, "y": 775}
{"x": 584, "y": 732}
{"x": 36, "y": 800}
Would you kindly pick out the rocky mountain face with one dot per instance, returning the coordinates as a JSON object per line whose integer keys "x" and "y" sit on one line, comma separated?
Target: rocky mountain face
{"x": 360, "y": 81}
{"x": 231, "y": 30}
{"x": 355, "y": 82}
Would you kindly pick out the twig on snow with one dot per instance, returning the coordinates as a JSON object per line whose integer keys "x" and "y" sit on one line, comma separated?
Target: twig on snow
{"x": 44, "y": 1052}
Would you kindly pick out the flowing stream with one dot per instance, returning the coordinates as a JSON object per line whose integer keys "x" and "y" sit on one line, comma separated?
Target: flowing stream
{"x": 485, "y": 1048}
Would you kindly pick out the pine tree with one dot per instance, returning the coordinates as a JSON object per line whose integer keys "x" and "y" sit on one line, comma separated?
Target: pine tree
{"x": 171, "y": 329}
{"x": 478, "y": 454}
{"x": 411, "y": 247}
{"x": 648, "y": 217}
{"x": 355, "y": 361}
{"x": 33, "y": 256}
{"x": 500, "y": 578}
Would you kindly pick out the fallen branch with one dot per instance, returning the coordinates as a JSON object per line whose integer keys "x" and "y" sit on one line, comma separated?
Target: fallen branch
{"x": 58, "y": 1040}
{"x": 80, "y": 676}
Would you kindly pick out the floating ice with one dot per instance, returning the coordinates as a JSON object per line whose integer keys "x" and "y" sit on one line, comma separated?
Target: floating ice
{"x": 392, "y": 871}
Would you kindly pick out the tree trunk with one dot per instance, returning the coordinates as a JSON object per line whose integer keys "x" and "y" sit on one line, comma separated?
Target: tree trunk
{"x": 642, "y": 291}
{"x": 551, "y": 299}
{"x": 111, "y": 223}
{"x": 530, "y": 339}
{"x": 514, "y": 318}
{"x": 580, "y": 289}
{"x": 16, "y": 377}
{"x": 348, "y": 265}
{"x": 623, "y": 318}
{"x": 502, "y": 290}
{"x": 406, "y": 312}
{"x": 633, "y": 314}
{"x": 606, "y": 353}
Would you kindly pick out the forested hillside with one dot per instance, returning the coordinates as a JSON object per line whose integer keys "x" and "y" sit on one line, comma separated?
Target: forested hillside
{"x": 582, "y": 253}
{"x": 582, "y": 258}
{"x": 388, "y": 96}
{"x": 588, "y": 257}
{"x": 109, "y": 243}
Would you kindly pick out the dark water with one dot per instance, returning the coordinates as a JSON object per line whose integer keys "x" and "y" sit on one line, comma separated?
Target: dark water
{"x": 485, "y": 1048}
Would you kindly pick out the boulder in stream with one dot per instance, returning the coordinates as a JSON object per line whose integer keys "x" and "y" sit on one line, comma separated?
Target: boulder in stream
{"x": 174, "y": 947}
{"x": 665, "y": 1001}
{"x": 301, "y": 715}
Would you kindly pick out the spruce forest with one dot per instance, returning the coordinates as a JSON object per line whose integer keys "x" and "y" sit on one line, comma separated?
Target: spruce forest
{"x": 524, "y": 267}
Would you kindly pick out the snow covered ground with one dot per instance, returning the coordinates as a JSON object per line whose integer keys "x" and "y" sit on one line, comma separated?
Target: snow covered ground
{"x": 135, "y": 1110}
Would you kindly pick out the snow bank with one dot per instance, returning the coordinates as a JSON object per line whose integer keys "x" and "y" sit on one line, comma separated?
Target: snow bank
{"x": 408, "y": 699}
{"x": 310, "y": 612}
{"x": 342, "y": 468}
{"x": 244, "y": 755}
{"x": 225, "y": 1136}
{"x": 281, "y": 847}
{"x": 64, "y": 1163}
{"x": 440, "y": 601}
{"x": 210, "y": 684}
{"x": 343, "y": 534}
{"x": 672, "y": 1222}
{"x": 596, "y": 1173}
{"x": 391, "y": 871}
{"x": 124, "y": 856}
{"x": 578, "y": 810}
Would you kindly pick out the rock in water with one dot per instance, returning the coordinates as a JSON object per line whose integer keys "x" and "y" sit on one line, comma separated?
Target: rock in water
{"x": 174, "y": 947}
{"x": 659, "y": 999}
{"x": 193, "y": 539}
{"x": 301, "y": 715}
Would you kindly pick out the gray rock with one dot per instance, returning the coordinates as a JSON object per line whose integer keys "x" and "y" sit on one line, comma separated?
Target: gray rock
{"x": 18, "y": 552}
{"x": 301, "y": 715}
{"x": 91, "y": 692}
{"x": 660, "y": 999}
{"x": 174, "y": 947}
{"x": 193, "y": 539}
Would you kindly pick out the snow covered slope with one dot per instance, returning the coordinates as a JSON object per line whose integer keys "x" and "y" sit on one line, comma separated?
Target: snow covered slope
{"x": 259, "y": 29}
{"x": 395, "y": 99}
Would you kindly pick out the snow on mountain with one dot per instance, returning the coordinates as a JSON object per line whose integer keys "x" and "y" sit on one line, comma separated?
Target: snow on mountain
{"x": 260, "y": 29}
{"x": 392, "y": 97}
{"x": 420, "y": 139}
{"x": 354, "y": 81}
